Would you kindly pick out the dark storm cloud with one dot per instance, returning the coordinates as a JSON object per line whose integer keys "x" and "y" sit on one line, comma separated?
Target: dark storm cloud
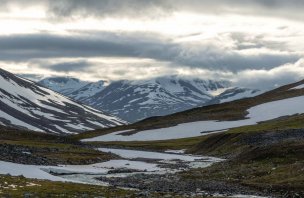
{"x": 209, "y": 56}
{"x": 20, "y": 47}
{"x": 156, "y": 8}
{"x": 131, "y": 8}
{"x": 231, "y": 61}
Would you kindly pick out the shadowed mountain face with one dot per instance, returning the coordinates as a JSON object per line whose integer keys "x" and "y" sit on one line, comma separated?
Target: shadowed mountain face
{"x": 25, "y": 104}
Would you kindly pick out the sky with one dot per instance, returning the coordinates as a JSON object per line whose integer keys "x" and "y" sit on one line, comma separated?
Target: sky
{"x": 252, "y": 43}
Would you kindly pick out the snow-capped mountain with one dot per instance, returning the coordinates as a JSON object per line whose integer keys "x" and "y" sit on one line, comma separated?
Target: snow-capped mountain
{"x": 87, "y": 91}
{"x": 26, "y": 104}
{"x": 234, "y": 93}
{"x": 63, "y": 85}
{"x": 136, "y": 100}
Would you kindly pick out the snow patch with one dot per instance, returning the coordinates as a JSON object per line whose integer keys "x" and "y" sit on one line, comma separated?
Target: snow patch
{"x": 298, "y": 87}
{"x": 133, "y": 154}
{"x": 263, "y": 112}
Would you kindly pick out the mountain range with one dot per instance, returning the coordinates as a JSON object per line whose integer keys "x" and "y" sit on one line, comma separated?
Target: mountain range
{"x": 134, "y": 100}
{"x": 30, "y": 105}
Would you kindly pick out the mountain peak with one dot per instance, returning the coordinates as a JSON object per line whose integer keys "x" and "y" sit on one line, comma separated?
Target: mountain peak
{"x": 64, "y": 85}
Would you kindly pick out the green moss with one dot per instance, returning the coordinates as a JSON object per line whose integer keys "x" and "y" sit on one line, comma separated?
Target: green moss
{"x": 22, "y": 187}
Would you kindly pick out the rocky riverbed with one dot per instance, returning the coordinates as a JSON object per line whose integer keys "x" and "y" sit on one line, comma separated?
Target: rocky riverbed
{"x": 175, "y": 184}
{"x": 143, "y": 171}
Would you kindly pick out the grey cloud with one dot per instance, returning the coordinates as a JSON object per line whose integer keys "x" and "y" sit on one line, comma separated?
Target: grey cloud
{"x": 33, "y": 77}
{"x": 209, "y": 55}
{"x": 236, "y": 62}
{"x": 248, "y": 41}
{"x": 22, "y": 47}
{"x": 132, "y": 8}
{"x": 269, "y": 83}
{"x": 70, "y": 66}
{"x": 268, "y": 79}
{"x": 266, "y": 82}
{"x": 154, "y": 8}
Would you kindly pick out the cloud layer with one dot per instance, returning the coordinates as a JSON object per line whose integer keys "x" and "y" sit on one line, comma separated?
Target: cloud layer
{"x": 252, "y": 43}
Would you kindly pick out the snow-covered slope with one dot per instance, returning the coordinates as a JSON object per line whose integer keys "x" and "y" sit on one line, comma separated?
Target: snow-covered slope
{"x": 63, "y": 85}
{"x": 26, "y": 104}
{"x": 278, "y": 103}
{"x": 87, "y": 91}
{"x": 263, "y": 112}
{"x": 136, "y": 100}
{"x": 234, "y": 93}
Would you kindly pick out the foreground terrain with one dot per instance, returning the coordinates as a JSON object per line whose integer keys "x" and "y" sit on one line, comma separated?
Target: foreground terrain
{"x": 247, "y": 148}
{"x": 266, "y": 158}
{"x": 263, "y": 160}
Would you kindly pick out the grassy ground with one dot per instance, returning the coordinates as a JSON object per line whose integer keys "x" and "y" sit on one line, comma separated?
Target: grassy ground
{"x": 11, "y": 187}
{"x": 21, "y": 187}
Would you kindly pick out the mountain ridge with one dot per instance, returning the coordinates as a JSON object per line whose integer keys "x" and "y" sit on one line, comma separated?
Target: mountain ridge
{"x": 131, "y": 99}
{"x": 25, "y": 104}
{"x": 137, "y": 100}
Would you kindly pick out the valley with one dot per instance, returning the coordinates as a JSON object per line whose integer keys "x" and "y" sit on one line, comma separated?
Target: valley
{"x": 256, "y": 159}
{"x": 152, "y": 99}
{"x": 250, "y": 147}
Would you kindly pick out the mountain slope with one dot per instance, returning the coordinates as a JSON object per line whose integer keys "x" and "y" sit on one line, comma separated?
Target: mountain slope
{"x": 63, "y": 85}
{"x": 25, "y": 104}
{"x": 232, "y": 94}
{"x": 281, "y": 102}
{"x": 87, "y": 91}
{"x": 136, "y": 100}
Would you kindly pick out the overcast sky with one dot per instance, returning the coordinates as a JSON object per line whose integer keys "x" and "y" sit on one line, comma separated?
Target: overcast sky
{"x": 254, "y": 43}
